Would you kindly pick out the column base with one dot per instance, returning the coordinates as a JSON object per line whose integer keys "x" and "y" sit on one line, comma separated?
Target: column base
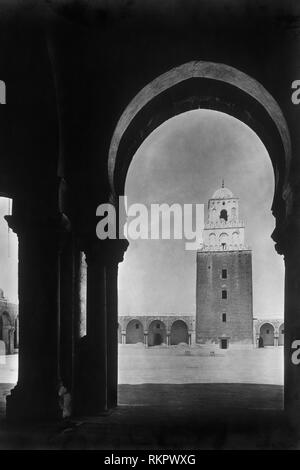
{"x": 30, "y": 404}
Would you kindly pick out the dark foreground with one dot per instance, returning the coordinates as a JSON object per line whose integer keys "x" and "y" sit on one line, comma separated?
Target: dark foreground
{"x": 163, "y": 416}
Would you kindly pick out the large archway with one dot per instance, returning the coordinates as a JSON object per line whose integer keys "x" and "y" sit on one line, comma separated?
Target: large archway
{"x": 194, "y": 86}
{"x": 157, "y": 333}
{"x": 179, "y": 332}
{"x": 267, "y": 334}
{"x": 202, "y": 85}
{"x": 134, "y": 332}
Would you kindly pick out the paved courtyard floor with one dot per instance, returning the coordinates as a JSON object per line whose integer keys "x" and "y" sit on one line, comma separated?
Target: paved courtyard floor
{"x": 173, "y": 398}
{"x": 183, "y": 364}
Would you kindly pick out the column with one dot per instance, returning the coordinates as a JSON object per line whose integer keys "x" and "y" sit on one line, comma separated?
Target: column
{"x": 292, "y": 336}
{"x": 168, "y": 339}
{"x": 289, "y": 245}
{"x": 70, "y": 309}
{"x": 101, "y": 360}
{"x": 17, "y": 333}
{"x": 146, "y": 339}
{"x": 94, "y": 360}
{"x": 193, "y": 336}
{"x": 114, "y": 250}
{"x": 11, "y": 333}
{"x": 35, "y": 395}
{"x": 79, "y": 328}
{"x": 123, "y": 337}
{"x": 112, "y": 330}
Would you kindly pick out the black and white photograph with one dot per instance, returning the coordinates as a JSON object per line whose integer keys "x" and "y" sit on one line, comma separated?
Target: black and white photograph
{"x": 150, "y": 227}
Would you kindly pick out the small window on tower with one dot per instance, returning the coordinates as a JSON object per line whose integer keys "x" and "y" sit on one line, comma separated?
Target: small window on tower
{"x": 223, "y": 215}
{"x": 157, "y": 325}
{"x": 137, "y": 326}
{"x": 224, "y": 273}
{"x": 224, "y": 294}
{"x": 224, "y": 317}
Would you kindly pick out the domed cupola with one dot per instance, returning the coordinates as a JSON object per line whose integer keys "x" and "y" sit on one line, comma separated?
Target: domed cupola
{"x": 222, "y": 193}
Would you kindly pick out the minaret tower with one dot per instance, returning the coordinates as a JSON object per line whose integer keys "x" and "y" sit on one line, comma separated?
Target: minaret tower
{"x": 223, "y": 230}
{"x": 224, "y": 276}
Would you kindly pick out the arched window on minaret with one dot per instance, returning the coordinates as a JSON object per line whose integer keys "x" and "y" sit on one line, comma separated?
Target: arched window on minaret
{"x": 224, "y": 215}
{"x": 213, "y": 215}
{"x": 223, "y": 240}
{"x": 235, "y": 238}
{"x": 212, "y": 239}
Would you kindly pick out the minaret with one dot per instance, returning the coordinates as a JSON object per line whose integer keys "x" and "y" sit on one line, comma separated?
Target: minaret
{"x": 223, "y": 230}
{"x": 224, "y": 276}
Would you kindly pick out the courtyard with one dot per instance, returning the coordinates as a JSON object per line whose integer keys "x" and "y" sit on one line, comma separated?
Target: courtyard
{"x": 174, "y": 397}
{"x": 170, "y": 376}
{"x": 184, "y": 365}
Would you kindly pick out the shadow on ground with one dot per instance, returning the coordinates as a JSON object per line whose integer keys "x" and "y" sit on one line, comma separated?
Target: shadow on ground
{"x": 163, "y": 416}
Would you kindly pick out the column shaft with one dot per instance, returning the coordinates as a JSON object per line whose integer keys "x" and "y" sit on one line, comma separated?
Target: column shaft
{"x": 292, "y": 337}
{"x": 99, "y": 356}
{"x": 112, "y": 334}
{"x": 97, "y": 335}
{"x": 35, "y": 396}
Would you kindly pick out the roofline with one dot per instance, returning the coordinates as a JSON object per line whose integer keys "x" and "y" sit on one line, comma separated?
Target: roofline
{"x": 221, "y": 198}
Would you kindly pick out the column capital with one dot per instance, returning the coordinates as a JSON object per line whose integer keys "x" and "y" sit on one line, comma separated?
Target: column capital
{"x": 38, "y": 222}
{"x": 105, "y": 252}
{"x": 51, "y": 230}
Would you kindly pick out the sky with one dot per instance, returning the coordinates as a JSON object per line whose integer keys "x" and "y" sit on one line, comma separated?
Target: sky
{"x": 184, "y": 161}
